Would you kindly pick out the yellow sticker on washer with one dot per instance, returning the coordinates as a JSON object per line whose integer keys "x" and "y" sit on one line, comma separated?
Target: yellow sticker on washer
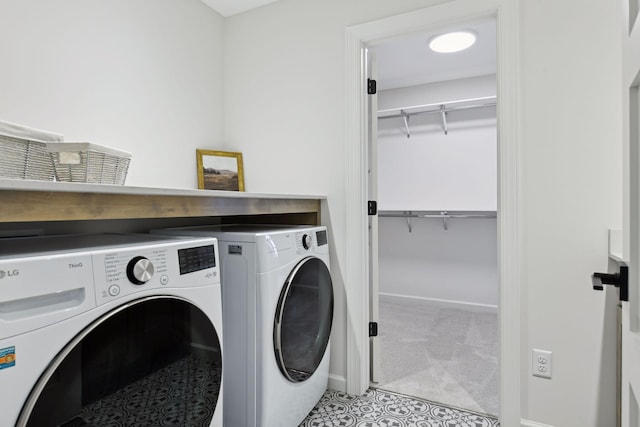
{"x": 7, "y": 357}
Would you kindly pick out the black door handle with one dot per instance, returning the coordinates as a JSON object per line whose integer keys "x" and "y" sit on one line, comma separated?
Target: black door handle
{"x": 620, "y": 280}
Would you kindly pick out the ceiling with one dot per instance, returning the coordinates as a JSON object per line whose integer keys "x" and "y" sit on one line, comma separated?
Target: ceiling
{"x": 409, "y": 61}
{"x": 227, "y": 8}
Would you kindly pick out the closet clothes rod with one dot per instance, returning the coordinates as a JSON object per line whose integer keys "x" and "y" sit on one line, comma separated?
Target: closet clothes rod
{"x": 485, "y": 101}
{"x": 438, "y": 108}
{"x": 444, "y": 215}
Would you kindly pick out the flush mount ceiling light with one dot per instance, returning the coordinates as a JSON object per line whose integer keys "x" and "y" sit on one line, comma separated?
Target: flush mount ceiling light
{"x": 452, "y": 42}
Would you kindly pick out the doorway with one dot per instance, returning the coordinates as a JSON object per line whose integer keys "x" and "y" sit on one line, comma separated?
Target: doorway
{"x": 509, "y": 157}
{"x": 434, "y": 168}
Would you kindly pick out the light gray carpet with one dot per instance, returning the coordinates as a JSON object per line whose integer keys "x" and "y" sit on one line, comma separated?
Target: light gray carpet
{"x": 441, "y": 352}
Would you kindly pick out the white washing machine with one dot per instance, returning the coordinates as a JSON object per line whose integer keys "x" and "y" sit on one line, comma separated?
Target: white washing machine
{"x": 110, "y": 329}
{"x": 277, "y": 301}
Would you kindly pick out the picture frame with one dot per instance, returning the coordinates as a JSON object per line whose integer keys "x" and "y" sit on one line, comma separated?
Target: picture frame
{"x": 220, "y": 170}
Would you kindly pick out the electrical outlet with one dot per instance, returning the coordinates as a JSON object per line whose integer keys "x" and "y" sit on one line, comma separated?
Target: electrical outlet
{"x": 541, "y": 363}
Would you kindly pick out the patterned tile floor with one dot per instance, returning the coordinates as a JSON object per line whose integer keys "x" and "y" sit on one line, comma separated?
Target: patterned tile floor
{"x": 379, "y": 408}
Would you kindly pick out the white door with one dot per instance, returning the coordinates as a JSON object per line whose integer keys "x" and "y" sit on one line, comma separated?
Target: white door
{"x": 372, "y": 182}
{"x": 631, "y": 131}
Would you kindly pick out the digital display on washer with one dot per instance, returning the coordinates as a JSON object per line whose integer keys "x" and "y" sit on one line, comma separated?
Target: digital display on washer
{"x": 321, "y": 237}
{"x": 196, "y": 259}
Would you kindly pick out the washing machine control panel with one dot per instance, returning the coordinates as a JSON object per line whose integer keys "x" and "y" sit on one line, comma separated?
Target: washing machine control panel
{"x": 129, "y": 270}
{"x": 196, "y": 258}
{"x": 125, "y": 270}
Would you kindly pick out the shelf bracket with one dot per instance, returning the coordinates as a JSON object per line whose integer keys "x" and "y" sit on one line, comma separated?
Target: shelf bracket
{"x": 408, "y": 218}
{"x": 443, "y": 112}
{"x": 445, "y": 220}
{"x": 405, "y": 117}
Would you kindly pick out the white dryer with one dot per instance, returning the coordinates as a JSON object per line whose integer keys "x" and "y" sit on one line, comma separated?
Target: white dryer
{"x": 110, "y": 329}
{"x": 277, "y": 314}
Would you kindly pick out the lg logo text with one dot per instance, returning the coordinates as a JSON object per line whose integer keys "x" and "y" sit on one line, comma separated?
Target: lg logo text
{"x": 9, "y": 273}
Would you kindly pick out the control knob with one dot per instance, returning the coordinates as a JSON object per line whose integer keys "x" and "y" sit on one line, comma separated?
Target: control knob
{"x": 306, "y": 241}
{"x": 140, "y": 270}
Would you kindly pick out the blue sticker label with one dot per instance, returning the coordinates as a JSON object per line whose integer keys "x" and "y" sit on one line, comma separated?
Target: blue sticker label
{"x": 7, "y": 357}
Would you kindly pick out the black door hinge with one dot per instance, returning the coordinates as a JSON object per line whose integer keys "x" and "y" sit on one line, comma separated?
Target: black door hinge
{"x": 373, "y": 329}
{"x": 620, "y": 280}
{"x": 372, "y": 207}
{"x": 372, "y": 87}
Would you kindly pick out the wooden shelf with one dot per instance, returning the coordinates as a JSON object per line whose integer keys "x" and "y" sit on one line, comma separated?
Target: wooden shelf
{"x": 36, "y": 201}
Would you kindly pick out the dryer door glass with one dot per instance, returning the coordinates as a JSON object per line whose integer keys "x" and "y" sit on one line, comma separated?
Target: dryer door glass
{"x": 303, "y": 319}
{"x": 155, "y": 361}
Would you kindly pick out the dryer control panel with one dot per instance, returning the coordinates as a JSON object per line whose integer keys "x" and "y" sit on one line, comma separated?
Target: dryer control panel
{"x": 311, "y": 240}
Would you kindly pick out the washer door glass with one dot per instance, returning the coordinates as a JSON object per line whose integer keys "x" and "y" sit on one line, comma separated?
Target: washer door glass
{"x": 155, "y": 361}
{"x": 303, "y": 319}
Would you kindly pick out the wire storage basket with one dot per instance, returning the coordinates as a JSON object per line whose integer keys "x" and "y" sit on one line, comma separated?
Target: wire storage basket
{"x": 89, "y": 163}
{"x": 24, "y": 152}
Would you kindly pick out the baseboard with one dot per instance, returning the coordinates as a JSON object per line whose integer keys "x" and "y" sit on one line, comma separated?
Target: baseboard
{"x": 337, "y": 382}
{"x": 529, "y": 423}
{"x": 495, "y": 307}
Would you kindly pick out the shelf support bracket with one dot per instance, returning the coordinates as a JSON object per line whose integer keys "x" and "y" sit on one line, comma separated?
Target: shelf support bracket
{"x": 443, "y": 112}
{"x": 408, "y": 218}
{"x": 405, "y": 117}
{"x": 445, "y": 220}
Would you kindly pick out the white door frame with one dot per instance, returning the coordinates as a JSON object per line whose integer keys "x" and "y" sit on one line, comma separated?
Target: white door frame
{"x": 509, "y": 179}
{"x": 630, "y": 321}
{"x": 372, "y": 183}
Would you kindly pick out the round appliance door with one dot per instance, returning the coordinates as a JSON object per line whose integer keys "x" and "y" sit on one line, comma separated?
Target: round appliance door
{"x": 303, "y": 319}
{"x": 155, "y": 361}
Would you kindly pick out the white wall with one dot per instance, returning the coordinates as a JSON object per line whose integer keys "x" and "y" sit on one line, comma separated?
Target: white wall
{"x": 143, "y": 76}
{"x": 285, "y": 101}
{"x": 572, "y": 167}
{"x": 458, "y": 264}
{"x": 431, "y": 170}
{"x": 445, "y": 91}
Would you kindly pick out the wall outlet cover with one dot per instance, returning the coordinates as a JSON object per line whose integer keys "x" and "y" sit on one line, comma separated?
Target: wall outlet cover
{"x": 541, "y": 363}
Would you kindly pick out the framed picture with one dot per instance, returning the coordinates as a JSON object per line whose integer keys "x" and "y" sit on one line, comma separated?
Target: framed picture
{"x": 220, "y": 170}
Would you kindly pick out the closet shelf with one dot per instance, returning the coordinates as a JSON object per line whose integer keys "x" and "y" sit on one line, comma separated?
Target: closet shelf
{"x": 442, "y": 108}
{"x": 444, "y": 215}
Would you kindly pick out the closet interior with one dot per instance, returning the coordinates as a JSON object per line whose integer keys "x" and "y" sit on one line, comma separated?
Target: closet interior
{"x": 437, "y": 187}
